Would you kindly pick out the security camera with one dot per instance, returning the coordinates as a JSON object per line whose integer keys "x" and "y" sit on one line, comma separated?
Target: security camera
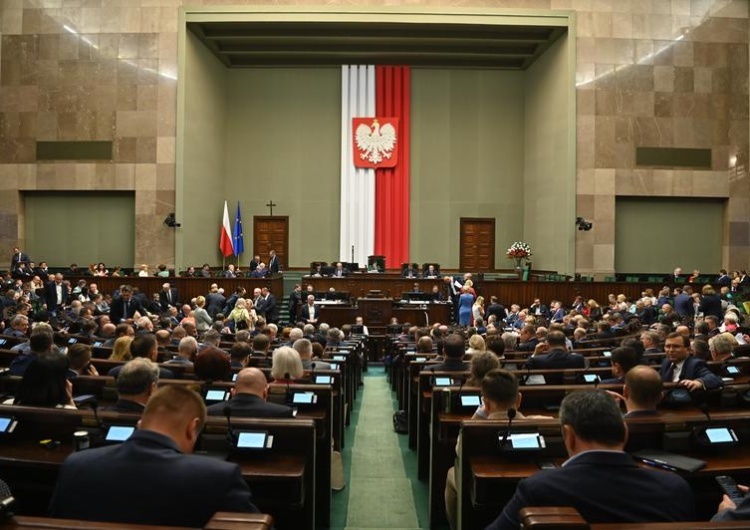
{"x": 583, "y": 224}
{"x": 171, "y": 222}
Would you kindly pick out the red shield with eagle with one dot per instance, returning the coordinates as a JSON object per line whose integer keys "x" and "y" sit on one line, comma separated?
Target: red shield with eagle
{"x": 375, "y": 142}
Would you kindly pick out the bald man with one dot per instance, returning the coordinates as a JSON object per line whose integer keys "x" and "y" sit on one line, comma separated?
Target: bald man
{"x": 249, "y": 398}
{"x": 642, "y": 392}
{"x": 150, "y": 478}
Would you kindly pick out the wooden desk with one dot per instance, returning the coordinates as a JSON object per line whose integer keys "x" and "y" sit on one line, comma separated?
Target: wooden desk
{"x": 220, "y": 521}
{"x": 188, "y": 288}
{"x": 486, "y": 478}
{"x": 282, "y": 478}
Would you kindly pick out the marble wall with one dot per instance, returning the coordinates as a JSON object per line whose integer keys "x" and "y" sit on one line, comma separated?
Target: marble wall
{"x": 671, "y": 73}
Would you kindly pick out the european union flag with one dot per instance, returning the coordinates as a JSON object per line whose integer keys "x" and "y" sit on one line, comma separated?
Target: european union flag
{"x": 239, "y": 240}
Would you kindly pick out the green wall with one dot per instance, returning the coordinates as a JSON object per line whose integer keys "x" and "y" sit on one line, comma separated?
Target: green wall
{"x": 655, "y": 235}
{"x": 549, "y": 201}
{"x": 200, "y": 191}
{"x": 484, "y": 144}
{"x": 80, "y": 227}
{"x": 284, "y": 143}
{"x": 467, "y": 158}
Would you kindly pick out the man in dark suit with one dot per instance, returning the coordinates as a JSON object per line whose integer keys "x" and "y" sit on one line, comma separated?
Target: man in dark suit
{"x": 249, "y": 398}
{"x": 599, "y": 479}
{"x": 309, "y": 313}
{"x": 168, "y": 296}
{"x": 340, "y": 271}
{"x": 556, "y": 357}
{"x": 496, "y": 308}
{"x": 268, "y": 305}
{"x": 538, "y": 309}
{"x": 16, "y": 258}
{"x": 454, "y": 349}
{"x": 295, "y": 302}
{"x": 135, "y": 384}
{"x": 143, "y": 345}
{"x": 623, "y": 360}
{"x": 125, "y": 306}
{"x": 723, "y": 278}
{"x": 56, "y": 294}
{"x": 527, "y": 339}
{"x": 273, "y": 262}
{"x": 254, "y": 263}
{"x": 148, "y": 478}
{"x": 557, "y": 312}
{"x": 683, "y": 302}
{"x": 691, "y": 372}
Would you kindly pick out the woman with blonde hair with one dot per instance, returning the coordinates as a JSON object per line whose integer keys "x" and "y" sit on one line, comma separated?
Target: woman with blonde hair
{"x": 286, "y": 365}
{"x": 241, "y": 316}
{"x": 203, "y": 320}
{"x": 476, "y": 344}
{"x": 121, "y": 349}
{"x": 477, "y": 310}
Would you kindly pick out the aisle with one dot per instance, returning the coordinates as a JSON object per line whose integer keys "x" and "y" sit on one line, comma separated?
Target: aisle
{"x": 380, "y": 493}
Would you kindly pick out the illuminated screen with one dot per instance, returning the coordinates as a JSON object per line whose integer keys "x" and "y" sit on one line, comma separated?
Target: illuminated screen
{"x": 251, "y": 440}
{"x": 525, "y": 441}
{"x": 719, "y": 435}
{"x": 119, "y": 433}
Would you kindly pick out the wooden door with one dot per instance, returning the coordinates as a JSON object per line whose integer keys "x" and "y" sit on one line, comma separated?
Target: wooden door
{"x": 271, "y": 233}
{"x": 477, "y": 244}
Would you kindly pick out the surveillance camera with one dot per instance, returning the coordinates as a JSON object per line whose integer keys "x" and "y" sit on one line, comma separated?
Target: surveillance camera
{"x": 583, "y": 224}
{"x": 171, "y": 222}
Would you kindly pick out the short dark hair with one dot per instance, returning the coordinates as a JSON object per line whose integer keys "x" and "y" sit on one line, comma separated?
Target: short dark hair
{"x": 142, "y": 345}
{"x": 481, "y": 364}
{"x": 594, "y": 417}
{"x": 626, "y": 357}
{"x": 261, "y": 342}
{"x": 424, "y": 345}
{"x": 79, "y": 355}
{"x": 675, "y": 335}
{"x": 121, "y": 329}
{"x": 240, "y": 351}
{"x": 501, "y": 387}
{"x": 44, "y": 382}
{"x": 41, "y": 340}
{"x": 496, "y": 345}
{"x": 454, "y": 346}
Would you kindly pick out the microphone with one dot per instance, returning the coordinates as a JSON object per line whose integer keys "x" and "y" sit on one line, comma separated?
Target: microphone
{"x": 230, "y": 433}
{"x": 511, "y": 415}
{"x": 704, "y": 410}
{"x": 7, "y": 502}
{"x": 288, "y": 396}
{"x": 460, "y": 387}
{"x": 94, "y": 404}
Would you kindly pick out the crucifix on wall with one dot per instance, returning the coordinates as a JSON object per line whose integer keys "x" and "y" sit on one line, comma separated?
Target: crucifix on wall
{"x": 271, "y": 204}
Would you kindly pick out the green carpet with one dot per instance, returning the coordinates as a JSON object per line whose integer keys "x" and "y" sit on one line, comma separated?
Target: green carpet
{"x": 379, "y": 492}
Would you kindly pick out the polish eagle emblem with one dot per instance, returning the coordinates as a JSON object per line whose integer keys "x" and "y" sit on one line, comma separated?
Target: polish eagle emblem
{"x": 375, "y": 142}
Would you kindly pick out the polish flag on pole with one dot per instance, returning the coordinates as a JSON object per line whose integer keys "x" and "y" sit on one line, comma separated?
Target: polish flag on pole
{"x": 225, "y": 240}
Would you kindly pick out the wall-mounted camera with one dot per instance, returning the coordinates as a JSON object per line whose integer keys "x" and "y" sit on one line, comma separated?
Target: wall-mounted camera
{"x": 583, "y": 224}
{"x": 171, "y": 222}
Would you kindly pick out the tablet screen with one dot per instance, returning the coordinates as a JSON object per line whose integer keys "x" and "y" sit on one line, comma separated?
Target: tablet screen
{"x": 470, "y": 401}
{"x": 5, "y": 423}
{"x": 303, "y": 398}
{"x": 251, "y": 440}
{"x": 119, "y": 433}
{"x": 525, "y": 441}
{"x": 720, "y": 435}
{"x": 590, "y": 378}
{"x": 442, "y": 381}
{"x": 323, "y": 380}
{"x": 216, "y": 395}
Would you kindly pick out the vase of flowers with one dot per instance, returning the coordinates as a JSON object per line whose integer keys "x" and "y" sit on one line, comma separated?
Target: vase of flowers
{"x": 519, "y": 252}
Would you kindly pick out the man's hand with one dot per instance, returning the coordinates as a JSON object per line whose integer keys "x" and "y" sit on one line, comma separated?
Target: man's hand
{"x": 619, "y": 398}
{"x": 692, "y": 385}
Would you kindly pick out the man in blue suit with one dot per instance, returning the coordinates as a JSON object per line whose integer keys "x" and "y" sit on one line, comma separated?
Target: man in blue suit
{"x": 152, "y": 478}
{"x": 599, "y": 479}
{"x": 691, "y": 372}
